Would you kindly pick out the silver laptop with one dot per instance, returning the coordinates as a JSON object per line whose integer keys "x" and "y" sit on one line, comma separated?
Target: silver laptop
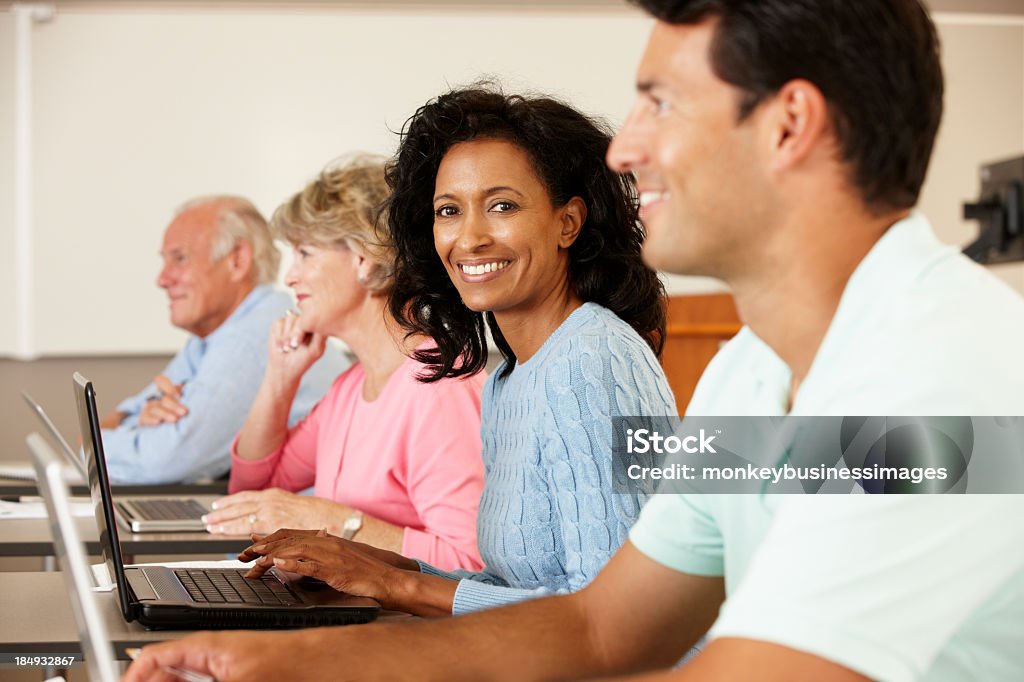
{"x": 74, "y": 563}
{"x": 65, "y": 449}
{"x": 154, "y": 515}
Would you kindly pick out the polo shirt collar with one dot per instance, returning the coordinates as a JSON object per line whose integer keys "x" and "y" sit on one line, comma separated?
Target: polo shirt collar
{"x": 251, "y": 300}
{"x": 892, "y": 266}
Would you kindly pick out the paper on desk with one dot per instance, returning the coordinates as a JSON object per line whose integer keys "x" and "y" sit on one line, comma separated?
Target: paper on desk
{"x": 104, "y": 584}
{"x": 25, "y": 472}
{"x": 37, "y": 510}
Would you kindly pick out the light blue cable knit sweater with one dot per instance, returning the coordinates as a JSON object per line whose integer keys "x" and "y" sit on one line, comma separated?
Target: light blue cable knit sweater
{"x": 549, "y": 519}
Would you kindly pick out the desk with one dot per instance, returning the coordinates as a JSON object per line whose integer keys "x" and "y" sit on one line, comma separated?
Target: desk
{"x": 31, "y": 537}
{"x": 38, "y": 620}
{"x": 14, "y": 486}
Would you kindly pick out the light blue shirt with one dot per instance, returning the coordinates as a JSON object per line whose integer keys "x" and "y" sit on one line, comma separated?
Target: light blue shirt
{"x": 549, "y": 518}
{"x": 222, "y": 373}
{"x": 897, "y": 588}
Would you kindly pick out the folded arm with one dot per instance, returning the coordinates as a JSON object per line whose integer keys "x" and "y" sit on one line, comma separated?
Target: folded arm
{"x": 217, "y": 397}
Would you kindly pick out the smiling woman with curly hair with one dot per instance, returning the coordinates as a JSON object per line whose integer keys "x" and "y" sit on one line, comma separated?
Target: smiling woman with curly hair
{"x": 505, "y": 219}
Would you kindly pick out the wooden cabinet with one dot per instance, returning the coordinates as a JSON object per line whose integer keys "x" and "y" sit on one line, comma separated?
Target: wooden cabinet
{"x": 697, "y": 327}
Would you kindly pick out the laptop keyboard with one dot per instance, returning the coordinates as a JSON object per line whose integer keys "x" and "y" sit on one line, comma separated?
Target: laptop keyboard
{"x": 169, "y": 510}
{"x": 227, "y": 586}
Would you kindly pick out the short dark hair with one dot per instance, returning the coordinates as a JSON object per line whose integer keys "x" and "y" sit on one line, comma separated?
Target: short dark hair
{"x": 875, "y": 61}
{"x": 566, "y": 150}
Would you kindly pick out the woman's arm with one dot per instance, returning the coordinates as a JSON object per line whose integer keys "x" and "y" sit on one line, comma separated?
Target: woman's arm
{"x": 291, "y": 352}
{"x": 444, "y": 473}
{"x": 354, "y": 568}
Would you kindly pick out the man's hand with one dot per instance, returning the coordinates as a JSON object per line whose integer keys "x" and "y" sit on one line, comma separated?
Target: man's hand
{"x": 166, "y": 407}
{"x": 230, "y": 656}
{"x": 264, "y": 511}
{"x": 112, "y": 420}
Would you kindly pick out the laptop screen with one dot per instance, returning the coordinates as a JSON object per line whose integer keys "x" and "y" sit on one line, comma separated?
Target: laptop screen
{"x": 74, "y": 563}
{"x": 65, "y": 448}
{"x": 99, "y": 487}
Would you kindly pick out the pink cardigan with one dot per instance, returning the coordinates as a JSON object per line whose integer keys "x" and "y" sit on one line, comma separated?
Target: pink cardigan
{"x": 411, "y": 458}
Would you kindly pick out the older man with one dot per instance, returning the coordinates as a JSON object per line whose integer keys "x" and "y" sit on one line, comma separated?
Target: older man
{"x": 779, "y": 145}
{"x": 219, "y": 267}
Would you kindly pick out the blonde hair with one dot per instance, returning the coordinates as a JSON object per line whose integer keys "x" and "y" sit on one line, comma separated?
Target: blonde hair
{"x": 343, "y": 206}
{"x": 239, "y": 220}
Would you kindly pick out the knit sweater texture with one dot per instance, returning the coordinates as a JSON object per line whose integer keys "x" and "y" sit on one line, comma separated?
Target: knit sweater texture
{"x": 549, "y": 518}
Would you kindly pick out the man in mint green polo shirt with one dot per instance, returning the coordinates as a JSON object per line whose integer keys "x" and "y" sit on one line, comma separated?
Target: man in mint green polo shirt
{"x": 779, "y": 145}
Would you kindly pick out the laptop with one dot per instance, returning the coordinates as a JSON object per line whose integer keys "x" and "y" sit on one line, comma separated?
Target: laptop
{"x": 65, "y": 449}
{"x": 74, "y": 563}
{"x": 188, "y": 598}
{"x": 156, "y": 515}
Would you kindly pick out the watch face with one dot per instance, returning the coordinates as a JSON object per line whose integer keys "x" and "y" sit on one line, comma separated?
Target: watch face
{"x": 351, "y": 526}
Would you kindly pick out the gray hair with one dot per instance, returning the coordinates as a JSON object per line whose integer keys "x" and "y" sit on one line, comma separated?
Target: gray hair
{"x": 239, "y": 220}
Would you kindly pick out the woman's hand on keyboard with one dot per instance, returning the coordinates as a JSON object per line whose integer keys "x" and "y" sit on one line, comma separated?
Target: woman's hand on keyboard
{"x": 354, "y": 568}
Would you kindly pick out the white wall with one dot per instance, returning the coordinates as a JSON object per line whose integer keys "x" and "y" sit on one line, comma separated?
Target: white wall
{"x": 137, "y": 109}
{"x": 983, "y": 120}
{"x": 8, "y": 326}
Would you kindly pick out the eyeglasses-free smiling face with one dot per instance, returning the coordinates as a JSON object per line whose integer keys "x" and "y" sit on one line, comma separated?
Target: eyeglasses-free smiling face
{"x": 699, "y": 170}
{"x": 326, "y": 285}
{"x": 502, "y": 242}
{"x": 202, "y": 292}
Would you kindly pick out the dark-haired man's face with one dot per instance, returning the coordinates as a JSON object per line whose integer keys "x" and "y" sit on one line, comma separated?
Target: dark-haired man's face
{"x": 697, "y": 168}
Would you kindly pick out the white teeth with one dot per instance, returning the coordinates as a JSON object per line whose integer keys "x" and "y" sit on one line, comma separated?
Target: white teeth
{"x": 484, "y": 268}
{"x": 652, "y": 197}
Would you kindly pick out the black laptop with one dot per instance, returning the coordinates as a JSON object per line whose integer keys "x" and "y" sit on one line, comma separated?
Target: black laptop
{"x": 165, "y": 597}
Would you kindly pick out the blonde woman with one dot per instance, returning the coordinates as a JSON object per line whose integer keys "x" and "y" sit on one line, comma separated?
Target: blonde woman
{"x": 395, "y": 462}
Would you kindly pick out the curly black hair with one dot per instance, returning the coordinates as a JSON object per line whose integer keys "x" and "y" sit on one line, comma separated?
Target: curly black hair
{"x": 567, "y": 151}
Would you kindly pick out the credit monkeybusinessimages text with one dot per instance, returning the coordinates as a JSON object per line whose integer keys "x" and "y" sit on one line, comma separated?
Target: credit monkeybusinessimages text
{"x": 785, "y": 472}
{"x": 645, "y": 441}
